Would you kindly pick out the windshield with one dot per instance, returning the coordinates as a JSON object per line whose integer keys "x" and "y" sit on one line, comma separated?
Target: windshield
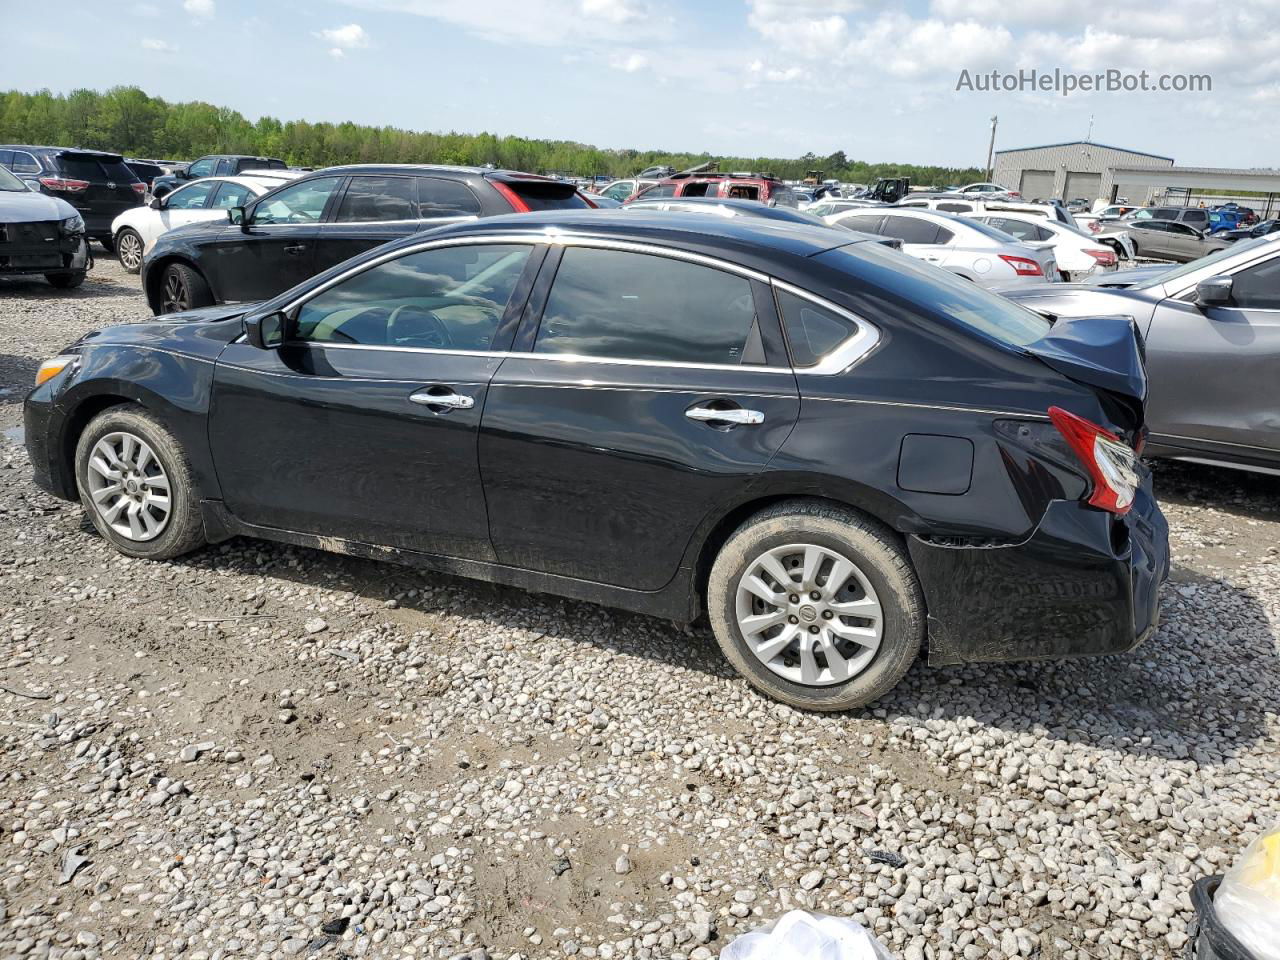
{"x": 9, "y": 183}
{"x": 1195, "y": 265}
{"x": 965, "y": 302}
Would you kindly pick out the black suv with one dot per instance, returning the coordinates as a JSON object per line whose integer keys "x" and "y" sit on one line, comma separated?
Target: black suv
{"x": 309, "y": 224}
{"x": 214, "y": 165}
{"x": 826, "y": 447}
{"x": 99, "y": 185}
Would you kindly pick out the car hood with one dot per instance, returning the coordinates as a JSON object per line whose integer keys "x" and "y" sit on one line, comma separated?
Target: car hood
{"x": 201, "y": 333}
{"x": 26, "y": 207}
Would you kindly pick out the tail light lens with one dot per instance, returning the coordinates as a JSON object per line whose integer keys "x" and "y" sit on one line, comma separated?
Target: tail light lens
{"x": 1022, "y": 266}
{"x": 1112, "y": 465}
{"x": 1095, "y": 226}
{"x": 513, "y": 198}
{"x": 139, "y": 188}
{"x": 1105, "y": 258}
{"x": 65, "y": 185}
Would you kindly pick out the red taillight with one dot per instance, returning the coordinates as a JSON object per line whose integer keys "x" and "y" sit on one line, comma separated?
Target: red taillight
{"x": 1022, "y": 266}
{"x": 139, "y": 188}
{"x": 68, "y": 186}
{"x": 1095, "y": 226}
{"x": 1105, "y": 258}
{"x": 513, "y": 198}
{"x": 589, "y": 202}
{"x": 1109, "y": 461}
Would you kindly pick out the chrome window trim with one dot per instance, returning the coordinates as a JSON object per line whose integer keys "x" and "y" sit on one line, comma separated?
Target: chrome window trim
{"x": 846, "y": 353}
{"x": 844, "y": 356}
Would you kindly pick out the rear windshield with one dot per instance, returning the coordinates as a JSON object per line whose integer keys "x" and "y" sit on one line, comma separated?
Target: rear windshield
{"x": 118, "y": 171}
{"x": 81, "y": 166}
{"x": 547, "y": 196}
{"x": 939, "y": 290}
{"x": 253, "y": 164}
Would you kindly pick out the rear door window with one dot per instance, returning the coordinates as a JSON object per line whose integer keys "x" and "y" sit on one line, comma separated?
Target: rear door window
{"x": 224, "y": 168}
{"x": 910, "y": 230}
{"x": 375, "y": 199}
{"x": 191, "y": 197}
{"x": 633, "y": 306}
{"x": 439, "y": 198}
{"x": 231, "y": 195}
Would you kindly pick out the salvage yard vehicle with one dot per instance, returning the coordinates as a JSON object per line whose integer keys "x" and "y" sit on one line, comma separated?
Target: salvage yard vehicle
{"x": 1172, "y": 240}
{"x": 826, "y": 448}
{"x": 762, "y": 187}
{"x": 40, "y": 235}
{"x": 1212, "y": 334}
{"x": 1078, "y": 255}
{"x": 135, "y": 231}
{"x": 99, "y": 185}
{"x": 214, "y": 165}
{"x": 306, "y": 226}
{"x": 965, "y": 247}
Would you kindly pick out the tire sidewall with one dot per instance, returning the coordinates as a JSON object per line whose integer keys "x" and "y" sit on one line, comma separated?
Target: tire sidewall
{"x": 119, "y": 251}
{"x": 181, "y": 496}
{"x": 903, "y": 629}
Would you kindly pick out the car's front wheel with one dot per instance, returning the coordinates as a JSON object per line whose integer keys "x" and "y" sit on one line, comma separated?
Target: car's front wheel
{"x": 66, "y": 281}
{"x": 816, "y": 605}
{"x": 137, "y": 485}
{"x": 129, "y": 249}
{"x": 182, "y": 288}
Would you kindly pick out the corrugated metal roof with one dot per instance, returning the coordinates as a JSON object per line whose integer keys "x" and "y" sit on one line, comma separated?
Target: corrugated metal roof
{"x": 1085, "y": 143}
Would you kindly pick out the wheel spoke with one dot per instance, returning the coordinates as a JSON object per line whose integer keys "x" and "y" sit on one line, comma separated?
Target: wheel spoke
{"x": 759, "y": 588}
{"x": 136, "y": 506}
{"x": 100, "y": 465}
{"x": 128, "y": 449}
{"x": 837, "y": 665}
{"x": 863, "y": 636}
{"x": 112, "y": 513}
{"x": 813, "y": 557}
{"x": 135, "y": 523}
{"x": 770, "y": 648}
{"x": 150, "y": 524}
{"x": 809, "y": 670}
{"x": 105, "y": 493}
{"x": 143, "y": 458}
{"x": 158, "y": 482}
{"x": 763, "y": 621}
{"x": 841, "y": 569}
{"x": 866, "y": 607}
{"x": 773, "y": 566}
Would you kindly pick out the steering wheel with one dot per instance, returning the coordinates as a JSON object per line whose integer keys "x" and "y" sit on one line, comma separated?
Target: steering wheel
{"x": 429, "y": 329}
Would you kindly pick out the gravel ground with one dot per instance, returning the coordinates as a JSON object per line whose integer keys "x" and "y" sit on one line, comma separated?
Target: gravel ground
{"x": 264, "y": 751}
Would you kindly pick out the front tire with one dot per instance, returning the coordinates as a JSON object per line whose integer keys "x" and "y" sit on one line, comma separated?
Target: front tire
{"x": 182, "y": 288}
{"x": 816, "y": 605}
{"x": 137, "y": 485}
{"x": 129, "y": 249}
{"x": 66, "y": 281}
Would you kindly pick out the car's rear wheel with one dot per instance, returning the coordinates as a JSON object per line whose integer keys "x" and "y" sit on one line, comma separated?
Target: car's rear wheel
{"x": 816, "y": 605}
{"x": 137, "y": 486}
{"x": 129, "y": 249}
{"x": 182, "y": 288}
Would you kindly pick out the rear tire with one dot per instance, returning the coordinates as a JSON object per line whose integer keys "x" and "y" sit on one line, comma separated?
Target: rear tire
{"x": 119, "y": 483}
{"x": 129, "y": 249}
{"x": 182, "y": 288}
{"x": 107, "y": 243}
{"x": 839, "y": 673}
{"x": 66, "y": 281}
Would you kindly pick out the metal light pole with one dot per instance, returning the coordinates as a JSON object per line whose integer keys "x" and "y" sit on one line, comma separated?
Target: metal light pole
{"x": 991, "y": 149}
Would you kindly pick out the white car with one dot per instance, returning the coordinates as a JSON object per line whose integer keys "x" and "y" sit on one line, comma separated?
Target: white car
{"x": 825, "y": 207}
{"x": 968, "y": 248}
{"x": 974, "y": 206}
{"x": 1079, "y": 256}
{"x": 136, "y": 230}
{"x": 988, "y": 189}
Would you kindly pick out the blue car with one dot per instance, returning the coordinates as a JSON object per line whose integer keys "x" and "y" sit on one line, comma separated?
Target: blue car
{"x": 1224, "y": 219}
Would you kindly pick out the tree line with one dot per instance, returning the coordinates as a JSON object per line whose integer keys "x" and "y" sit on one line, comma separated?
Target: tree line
{"x": 127, "y": 120}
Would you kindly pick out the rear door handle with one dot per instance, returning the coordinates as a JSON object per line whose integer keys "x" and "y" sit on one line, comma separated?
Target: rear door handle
{"x": 445, "y": 399}
{"x": 296, "y": 248}
{"x": 732, "y": 415}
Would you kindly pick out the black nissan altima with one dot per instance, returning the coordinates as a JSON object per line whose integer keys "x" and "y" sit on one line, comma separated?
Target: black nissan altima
{"x": 833, "y": 452}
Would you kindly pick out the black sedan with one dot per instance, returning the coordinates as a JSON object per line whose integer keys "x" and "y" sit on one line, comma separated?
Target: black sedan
{"x": 309, "y": 224}
{"x": 826, "y": 448}
{"x": 40, "y": 235}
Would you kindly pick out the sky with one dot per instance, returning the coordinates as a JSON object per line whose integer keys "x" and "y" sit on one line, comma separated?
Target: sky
{"x": 877, "y": 80}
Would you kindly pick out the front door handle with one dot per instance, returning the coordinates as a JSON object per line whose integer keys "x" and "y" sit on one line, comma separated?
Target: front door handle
{"x": 446, "y": 399}
{"x": 295, "y": 248}
{"x": 735, "y": 415}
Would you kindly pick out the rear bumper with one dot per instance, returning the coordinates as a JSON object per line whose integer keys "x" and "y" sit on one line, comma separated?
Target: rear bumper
{"x": 1084, "y": 583}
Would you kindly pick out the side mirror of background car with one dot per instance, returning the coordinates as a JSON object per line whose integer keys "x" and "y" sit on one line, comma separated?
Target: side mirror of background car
{"x": 156, "y": 203}
{"x": 265, "y": 333}
{"x": 235, "y": 215}
{"x": 1213, "y": 292}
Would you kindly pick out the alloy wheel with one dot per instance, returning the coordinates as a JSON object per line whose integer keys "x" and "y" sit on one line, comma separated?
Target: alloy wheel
{"x": 128, "y": 486}
{"x": 175, "y": 297}
{"x": 809, "y": 614}
{"x": 129, "y": 246}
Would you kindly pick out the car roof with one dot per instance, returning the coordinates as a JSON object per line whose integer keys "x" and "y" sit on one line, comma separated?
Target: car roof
{"x": 236, "y": 156}
{"x": 728, "y": 235}
{"x": 45, "y": 149}
{"x": 391, "y": 168}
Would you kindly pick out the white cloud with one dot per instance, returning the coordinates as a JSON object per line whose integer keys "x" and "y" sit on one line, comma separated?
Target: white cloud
{"x": 159, "y": 46}
{"x": 349, "y": 37}
{"x": 336, "y": 53}
{"x": 547, "y": 23}
{"x": 613, "y": 11}
{"x": 630, "y": 63}
{"x": 200, "y": 9}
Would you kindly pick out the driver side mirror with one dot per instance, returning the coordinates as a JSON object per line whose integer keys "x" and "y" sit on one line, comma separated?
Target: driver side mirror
{"x": 1213, "y": 292}
{"x": 266, "y": 332}
{"x": 236, "y": 216}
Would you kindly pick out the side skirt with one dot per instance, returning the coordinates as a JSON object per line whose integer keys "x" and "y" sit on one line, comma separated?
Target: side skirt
{"x": 677, "y": 601}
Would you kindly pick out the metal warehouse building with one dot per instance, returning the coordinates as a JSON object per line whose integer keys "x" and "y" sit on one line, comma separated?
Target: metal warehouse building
{"x": 1067, "y": 170}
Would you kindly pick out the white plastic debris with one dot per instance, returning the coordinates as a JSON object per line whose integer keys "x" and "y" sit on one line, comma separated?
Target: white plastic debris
{"x": 1248, "y": 899}
{"x": 800, "y": 935}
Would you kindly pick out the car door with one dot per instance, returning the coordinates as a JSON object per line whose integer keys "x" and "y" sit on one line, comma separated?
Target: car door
{"x": 1183, "y": 242}
{"x": 1211, "y": 370}
{"x": 274, "y": 248}
{"x": 187, "y": 204}
{"x": 920, "y": 238}
{"x": 1152, "y": 238}
{"x": 363, "y": 424}
{"x": 646, "y": 390}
